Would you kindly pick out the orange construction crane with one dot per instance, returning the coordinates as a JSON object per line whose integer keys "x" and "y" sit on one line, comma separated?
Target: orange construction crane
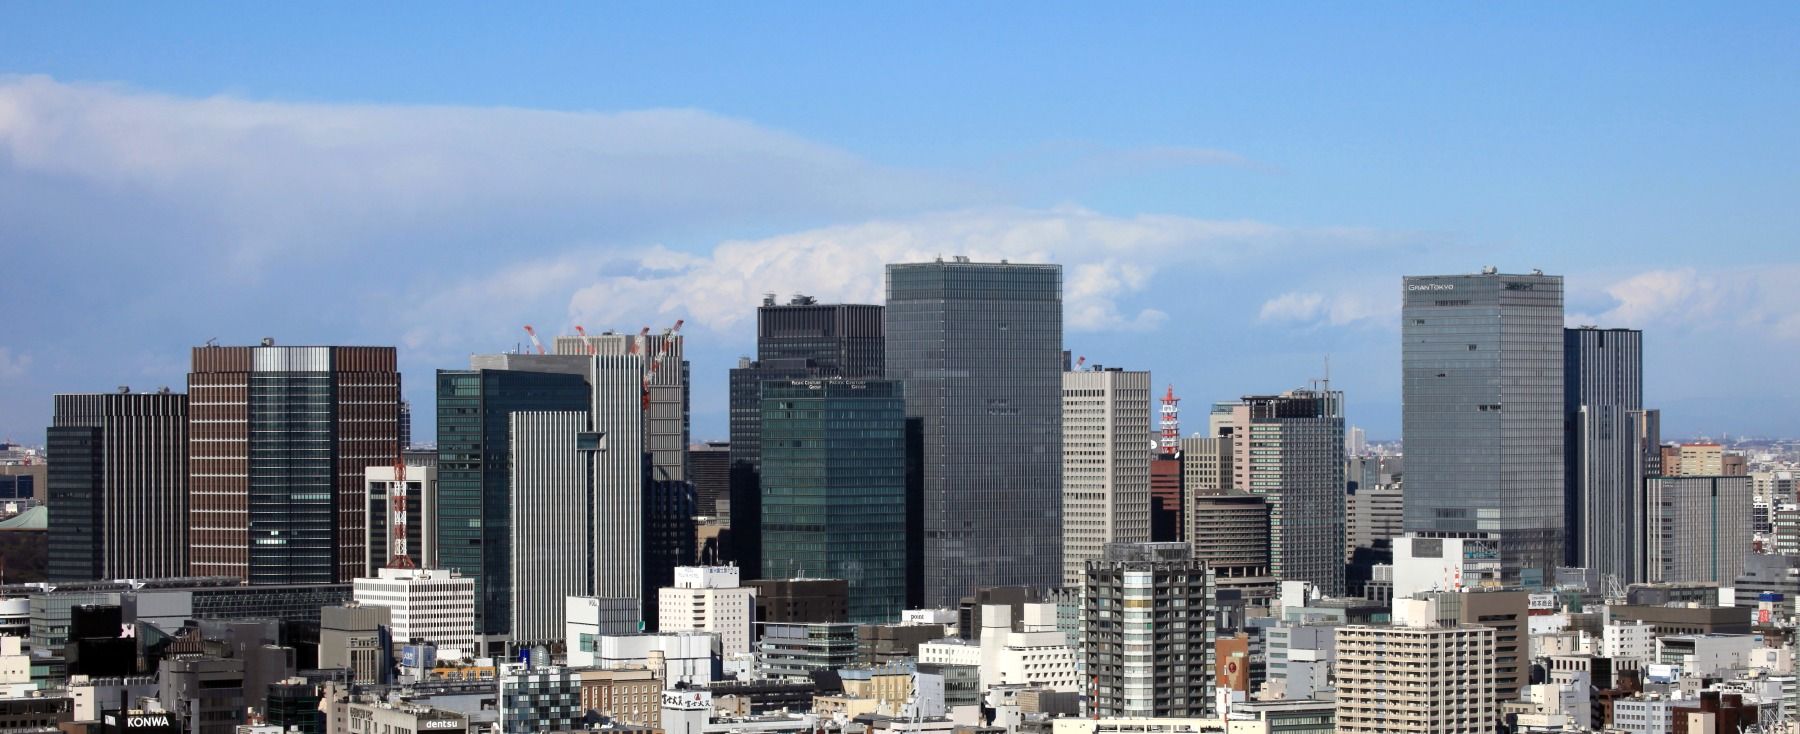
{"x": 534, "y": 339}
{"x": 592, "y": 350}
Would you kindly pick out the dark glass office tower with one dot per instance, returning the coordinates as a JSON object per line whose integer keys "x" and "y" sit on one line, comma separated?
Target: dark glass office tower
{"x": 979, "y": 348}
{"x": 1482, "y": 364}
{"x": 278, "y": 441}
{"x": 118, "y": 486}
{"x": 669, "y": 539}
{"x": 834, "y": 488}
{"x": 474, "y": 410}
{"x": 709, "y": 466}
{"x": 797, "y": 340}
{"x": 1603, "y": 385}
{"x": 1295, "y": 458}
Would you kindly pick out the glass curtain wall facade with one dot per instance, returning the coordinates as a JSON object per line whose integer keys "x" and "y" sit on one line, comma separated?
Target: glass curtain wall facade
{"x": 1603, "y": 386}
{"x": 291, "y": 478}
{"x": 1482, "y": 420}
{"x": 1295, "y": 458}
{"x": 801, "y": 339}
{"x": 474, "y": 409}
{"x": 979, "y": 348}
{"x": 834, "y": 488}
{"x": 279, "y": 438}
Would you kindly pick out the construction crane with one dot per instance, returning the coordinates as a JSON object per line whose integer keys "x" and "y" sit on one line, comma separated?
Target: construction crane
{"x": 1171, "y": 422}
{"x": 668, "y": 337}
{"x": 534, "y": 338}
{"x": 1079, "y": 361}
{"x": 640, "y": 344}
{"x": 592, "y": 350}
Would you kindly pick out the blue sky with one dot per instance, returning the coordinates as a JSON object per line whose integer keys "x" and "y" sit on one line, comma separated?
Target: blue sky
{"x": 1235, "y": 192}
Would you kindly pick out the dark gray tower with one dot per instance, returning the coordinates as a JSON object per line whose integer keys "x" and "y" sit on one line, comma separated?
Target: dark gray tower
{"x": 802, "y": 339}
{"x": 1603, "y": 385}
{"x": 979, "y": 347}
{"x": 1482, "y": 365}
{"x": 118, "y": 486}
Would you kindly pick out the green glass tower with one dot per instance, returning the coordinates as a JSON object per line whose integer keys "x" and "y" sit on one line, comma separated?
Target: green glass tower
{"x": 474, "y": 460}
{"x": 834, "y": 488}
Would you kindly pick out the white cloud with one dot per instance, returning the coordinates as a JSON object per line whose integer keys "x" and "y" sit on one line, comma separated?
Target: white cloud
{"x": 1293, "y": 306}
{"x": 13, "y": 366}
{"x": 1762, "y": 302}
{"x": 1311, "y": 308}
{"x": 309, "y": 180}
{"x": 1109, "y": 265}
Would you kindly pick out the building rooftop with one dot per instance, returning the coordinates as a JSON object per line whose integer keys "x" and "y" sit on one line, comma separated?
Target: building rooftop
{"x": 36, "y": 518}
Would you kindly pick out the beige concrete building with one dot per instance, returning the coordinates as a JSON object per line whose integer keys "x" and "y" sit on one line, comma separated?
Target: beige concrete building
{"x": 1373, "y": 513}
{"x": 1415, "y": 676}
{"x": 709, "y": 599}
{"x": 1206, "y": 465}
{"x": 1105, "y": 465}
{"x": 627, "y": 695}
{"x": 1699, "y": 460}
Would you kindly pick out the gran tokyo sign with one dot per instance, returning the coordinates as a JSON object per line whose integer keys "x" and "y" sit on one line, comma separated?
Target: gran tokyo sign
{"x": 1431, "y": 286}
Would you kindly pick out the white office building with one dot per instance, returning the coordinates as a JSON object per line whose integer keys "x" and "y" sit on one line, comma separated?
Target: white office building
{"x": 1105, "y": 464}
{"x": 435, "y": 606}
{"x": 709, "y": 599}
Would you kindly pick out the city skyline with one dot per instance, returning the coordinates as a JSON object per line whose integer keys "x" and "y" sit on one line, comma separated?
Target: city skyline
{"x": 442, "y": 201}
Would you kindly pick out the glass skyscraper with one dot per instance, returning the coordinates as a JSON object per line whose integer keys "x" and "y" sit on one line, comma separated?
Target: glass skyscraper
{"x": 834, "y": 488}
{"x": 797, "y": 340}
{"x": 279, "y": 438}
{"x": 1292, "y": 446}
{"x": 1482, "y": 372}
{"x": 1603, "y": 386}
{"x": 979, "y": 347}
{"x": 474, "y": 409}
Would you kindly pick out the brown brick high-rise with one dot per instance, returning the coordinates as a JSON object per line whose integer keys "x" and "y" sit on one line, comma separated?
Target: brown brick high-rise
{"x": 278, "y": 441}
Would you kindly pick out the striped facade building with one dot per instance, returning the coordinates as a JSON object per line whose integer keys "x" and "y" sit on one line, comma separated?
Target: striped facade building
{"x": 279, "y": 439}
{"x": 117, "y": 486}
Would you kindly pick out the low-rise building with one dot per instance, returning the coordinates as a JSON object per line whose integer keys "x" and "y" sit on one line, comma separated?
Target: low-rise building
{"x": 432, "y": 606}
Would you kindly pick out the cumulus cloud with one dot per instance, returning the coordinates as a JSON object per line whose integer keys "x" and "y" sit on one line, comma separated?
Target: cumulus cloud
{"x": 1109, "y": 264}
{"x": 1761, "y": 300}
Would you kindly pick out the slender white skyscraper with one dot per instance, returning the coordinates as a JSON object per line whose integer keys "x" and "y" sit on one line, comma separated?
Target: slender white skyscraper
{"x": 1106, "y": 464}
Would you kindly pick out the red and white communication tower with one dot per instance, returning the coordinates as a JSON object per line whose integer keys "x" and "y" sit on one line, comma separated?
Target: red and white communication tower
{"x": 1171, "y": 422}
{"x": 397, "y": 513}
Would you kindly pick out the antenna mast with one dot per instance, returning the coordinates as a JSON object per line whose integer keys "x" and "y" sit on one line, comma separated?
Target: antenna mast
{"x": 1171, "y": 422}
